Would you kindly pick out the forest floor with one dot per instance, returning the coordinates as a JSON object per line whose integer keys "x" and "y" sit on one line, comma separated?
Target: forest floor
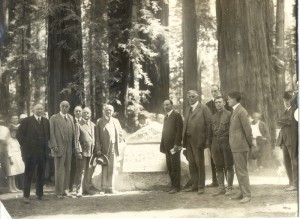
{"x": 268, "y": 200}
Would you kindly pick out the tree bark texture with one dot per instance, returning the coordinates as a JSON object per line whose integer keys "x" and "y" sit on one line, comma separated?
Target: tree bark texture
{"x": 190, "y": 79}
{"x": 65, "y": 55}
{"x": 244, "y": 55}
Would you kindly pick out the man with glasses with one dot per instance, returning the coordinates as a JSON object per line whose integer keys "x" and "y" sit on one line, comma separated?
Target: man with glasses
{"x": 196, "y": 137}
{"x": 62, "y": 138}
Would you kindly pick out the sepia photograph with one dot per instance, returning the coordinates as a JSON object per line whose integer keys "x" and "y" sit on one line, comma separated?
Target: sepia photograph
{"x": 149, "y": 109}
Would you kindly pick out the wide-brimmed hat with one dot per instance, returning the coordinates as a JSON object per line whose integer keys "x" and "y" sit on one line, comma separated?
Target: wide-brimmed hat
{"x": 99, "y": 160}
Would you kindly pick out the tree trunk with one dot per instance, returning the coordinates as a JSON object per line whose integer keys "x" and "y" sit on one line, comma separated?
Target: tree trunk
{"x": 65, "y": 64}
{"x": 244, "y": 55}
{"x": 279, "y": 48}
{"x": 190, "y": 78}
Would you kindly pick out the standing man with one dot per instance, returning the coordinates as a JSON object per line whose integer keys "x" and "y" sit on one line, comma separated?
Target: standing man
{"x": 171, "y": 139}
{"x": 220, "y": 148}
{"x": 287, "y": 140}
{"x": 33, "y": 135}
{"x": 240, "y": 140}
{"x": 196, "y": 137}
{"x": 77, "y": 119}
{"x": 108, "y": 138}
{"x": 84, "y": 150}
{"x": 215, "y": 92}
{"x": 62, "y": 137}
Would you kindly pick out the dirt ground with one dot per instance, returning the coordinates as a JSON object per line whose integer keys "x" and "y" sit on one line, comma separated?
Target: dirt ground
{"x": 268, "y": 200}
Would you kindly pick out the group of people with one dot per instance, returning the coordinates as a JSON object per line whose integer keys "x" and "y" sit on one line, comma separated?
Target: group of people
{"x": 77, "y": 145}
{"x": 223, "y": 126}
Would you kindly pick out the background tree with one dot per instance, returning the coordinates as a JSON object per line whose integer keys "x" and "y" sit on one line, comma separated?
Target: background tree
{"x": 65, "y": 54}
{"x": 244, "y": 55}
{"x": 190, "y": 78}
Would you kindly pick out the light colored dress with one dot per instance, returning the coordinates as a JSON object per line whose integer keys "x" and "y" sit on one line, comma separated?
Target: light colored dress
{"x": 14, "y": 153}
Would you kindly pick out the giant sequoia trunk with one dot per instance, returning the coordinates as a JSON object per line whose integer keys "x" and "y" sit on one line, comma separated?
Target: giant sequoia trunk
{"x": 119, "y": 23}
{"x": 190, "y": 79}
{"x": 244, "y": 55}
{"x": 64, "y": 54}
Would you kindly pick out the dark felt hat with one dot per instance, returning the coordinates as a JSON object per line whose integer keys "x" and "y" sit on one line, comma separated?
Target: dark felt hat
{"x": 99, "y": 160}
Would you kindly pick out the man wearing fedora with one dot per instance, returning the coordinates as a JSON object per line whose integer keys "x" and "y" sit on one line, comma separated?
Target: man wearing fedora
{"x": 84, "y": 150}
{"x": 108, "y": 138}
{"x": 287, "y": 140}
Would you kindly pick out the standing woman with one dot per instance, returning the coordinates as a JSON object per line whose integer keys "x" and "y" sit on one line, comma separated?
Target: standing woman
{"x": 15, "y": 165}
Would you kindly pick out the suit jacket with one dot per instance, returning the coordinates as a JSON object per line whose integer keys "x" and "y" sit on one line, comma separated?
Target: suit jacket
{"x": 289, "y": 128}
{"x": 103, "y": 138}
{"x": 212, "y": 107}
{"x": 240, "y": 132}
{"x": 29, "y": 136}
{"x": 86, "y": 138}
{"x": 57, "y": 136}
{"x": 200, "y": 124}
{"x": 172, "y": 132}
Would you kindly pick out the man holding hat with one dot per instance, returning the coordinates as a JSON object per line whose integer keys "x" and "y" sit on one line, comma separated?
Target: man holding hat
{"x": 287, "y": 140}
{"x": 108, "y": 138}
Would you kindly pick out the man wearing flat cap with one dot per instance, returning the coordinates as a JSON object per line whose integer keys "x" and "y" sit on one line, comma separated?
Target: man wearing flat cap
{"x": 287, "y": 140}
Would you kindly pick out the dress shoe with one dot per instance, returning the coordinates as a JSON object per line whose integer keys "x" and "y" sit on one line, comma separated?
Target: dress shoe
{"x": 291, "y": 188}
{"x": 26, "y": 200}
{"x": 200, "y": 191}
{"x": 67, "y": 194}
{"x": 79, "y": 195}
{"x": 219, "y": 192}
{"x": 245, "y": 200}
{"x": 173, "y": 191}
{"x": 212, "y": 185}
{"x": 191, "y": 189}
{"x": 41, "y": 198}
{"x": 237, "y": 197}
{"x": 110, "y": 191}
{"x": 228, "y": 192}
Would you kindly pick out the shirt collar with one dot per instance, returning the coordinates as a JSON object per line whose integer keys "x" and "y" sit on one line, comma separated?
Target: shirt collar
{"x": 169, "y": 113}
{"x": 235, "y": 106}
{"x": 36, "y": 117}
{"x": 107, "y": 118}
{"x": 63, "y": 115}
{"x": 288, "y": 108}
{"x": 195, "y": 105}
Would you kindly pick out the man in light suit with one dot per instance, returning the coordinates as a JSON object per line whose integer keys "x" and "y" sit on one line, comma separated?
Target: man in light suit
{"x": 62, "y": 137}
{"x": 171, "y": 139}
{"x": 108, "y": 137}
{"x": 33, "y": 135}
{"x": 77, "y": 118}
{"x": 84, "y": 150}
{"x": 196, "y": 137}
{"x": 240, "y": 140}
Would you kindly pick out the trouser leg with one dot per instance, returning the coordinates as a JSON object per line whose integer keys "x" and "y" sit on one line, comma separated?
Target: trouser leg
{"x": 230, "y": 176}
{"x": 79, "y": 175}
{"x": 287, "y": 163}
{"x": 40, "y": 176}
{"x": 28, "y": 174}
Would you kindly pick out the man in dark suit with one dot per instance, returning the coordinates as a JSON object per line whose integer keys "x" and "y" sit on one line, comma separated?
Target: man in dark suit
{"x": 288, "y": 141}
{"x": 171, "y": 139}
{"x": 62, "y": 138}
{"x": 241, "y": 141}
{"x": 84, "y": 150}
{"x": 108, "y": 137}
{"x": 33, "y": 135}
{"x": 196, "y": 137}
{"x": 215, "y": 92}
{"x": 77, "y": 118}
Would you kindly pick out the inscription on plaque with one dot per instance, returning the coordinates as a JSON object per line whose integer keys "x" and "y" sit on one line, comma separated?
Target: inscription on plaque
{"x": 143, "y": 157}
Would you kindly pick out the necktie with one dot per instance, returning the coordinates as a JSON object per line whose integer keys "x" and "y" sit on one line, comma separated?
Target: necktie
{"x": 66, "y": 118}
{"x": 166, "y": 117}
{"x": 39, "y": 120}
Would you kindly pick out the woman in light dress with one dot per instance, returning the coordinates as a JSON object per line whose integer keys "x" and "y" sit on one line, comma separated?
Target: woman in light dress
{"x": 14, "y": 164}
